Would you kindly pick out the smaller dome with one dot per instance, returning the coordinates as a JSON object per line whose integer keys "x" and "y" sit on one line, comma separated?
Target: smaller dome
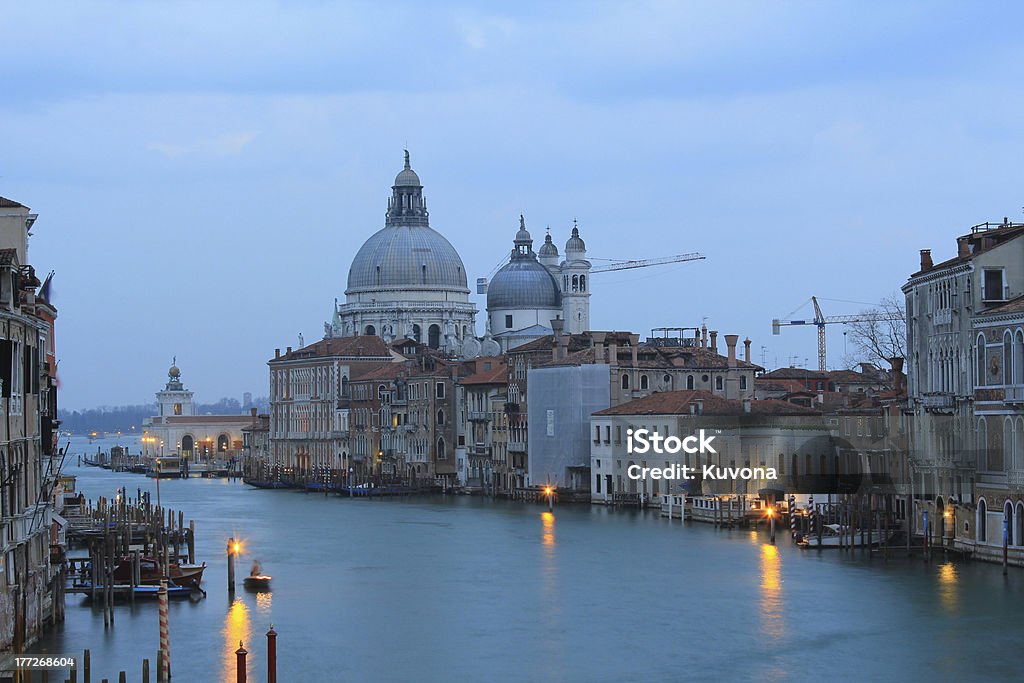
{"x": 173, "y": 372}
{"x": 575, "y": 242}
{"x": 523, "y": 235}
{"x": 548, "y": 248}
{"x": 407, "y": 177}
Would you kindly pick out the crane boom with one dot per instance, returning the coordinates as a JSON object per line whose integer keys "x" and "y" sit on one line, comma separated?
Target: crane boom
{"x": 821, "y": 320}
{"x": 643, "y": 263}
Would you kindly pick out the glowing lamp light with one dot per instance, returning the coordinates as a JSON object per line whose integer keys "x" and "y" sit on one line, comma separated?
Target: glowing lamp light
{"x": 770, "y": 512}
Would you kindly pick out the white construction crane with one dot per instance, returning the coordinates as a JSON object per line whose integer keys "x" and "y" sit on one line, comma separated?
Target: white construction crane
{"x": 481, "y": 282}
{"x": 644, "y": 263}
{"x": 821, "y": 320}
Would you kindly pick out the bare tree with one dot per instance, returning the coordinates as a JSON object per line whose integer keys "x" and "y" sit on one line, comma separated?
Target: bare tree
{"x": 881, "y": 335}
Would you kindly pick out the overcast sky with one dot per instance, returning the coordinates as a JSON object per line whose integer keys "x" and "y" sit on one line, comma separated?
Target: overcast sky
{"x": 204, "y": 172}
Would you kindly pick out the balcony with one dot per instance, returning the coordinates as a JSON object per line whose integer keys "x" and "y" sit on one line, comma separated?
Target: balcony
{"x": 479, "y": 416}
{"x": 339, "y": 434}
{"x": 938, "y": 402}
{"x": 943, "y": 316}
{"x": 516, "y": 447}
{"x": 480, "y": 450}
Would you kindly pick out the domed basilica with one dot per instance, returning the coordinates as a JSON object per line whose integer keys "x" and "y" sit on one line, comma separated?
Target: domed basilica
{"x": 408, "y": 281}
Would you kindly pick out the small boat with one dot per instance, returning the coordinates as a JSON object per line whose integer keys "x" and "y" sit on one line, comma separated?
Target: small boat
{"x": 257, "y": 580}
{"x": 260, "y": 582}
{"x": 189, "y": 576}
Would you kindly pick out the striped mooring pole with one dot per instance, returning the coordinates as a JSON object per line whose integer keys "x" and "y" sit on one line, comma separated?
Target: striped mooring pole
{"x": 165, "y": 637}
{"x": 814, "y": 516}
{"x": 792, "y": 516}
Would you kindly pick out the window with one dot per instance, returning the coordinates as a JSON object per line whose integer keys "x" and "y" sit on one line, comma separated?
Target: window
{"x": 441, "y": 454}
{"x": 718, "y": 383}
{"x": 992, "y": 285}
{"x": 1007, "y": 358}
{"x": 979, "y": 361}
{"x": 597, "y": 434}
{"x": 625, "y": 381}
{"x": 440, "y": 417}
{"x": 439, "y": 390}
{"x": 689, "y": 382}
{"x": 607, "y": 434}
{"x": 508, "y": 322}
{"x": 177, "y": 409}
{"x": 743, "y": 382}
{"x": 370, "y": 330}
{"x": 643, "y": 381}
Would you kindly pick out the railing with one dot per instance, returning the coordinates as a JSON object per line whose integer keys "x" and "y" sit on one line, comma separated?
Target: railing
{"x": 937, "y": 400}
{"x": 479, "y": 416}
{"x": 516, "y": 447}
{"x": 339, "y": 434}
{"x": 943, "y": 316}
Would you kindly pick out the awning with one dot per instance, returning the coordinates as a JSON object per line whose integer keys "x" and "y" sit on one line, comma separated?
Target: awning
{"x": 58, "y": 519}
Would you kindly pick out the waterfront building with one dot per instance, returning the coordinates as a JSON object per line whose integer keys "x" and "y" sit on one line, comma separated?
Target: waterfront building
{"x": 792, "y": 439}
{"x": 482, "y": 396}
{"x": 407, "y": 280}
{"x": 669, "y": 361}
{"x": 256, "y": 438}
{"x": 178, "y": 430}
{"x": 30, "y": 569}
{"x": 310, "y": 389}
{"x": 954, "y": 366}
{"x": 533, "y": 289}
{"x": 404, "y": 417}
{"x": 998, "y": 437}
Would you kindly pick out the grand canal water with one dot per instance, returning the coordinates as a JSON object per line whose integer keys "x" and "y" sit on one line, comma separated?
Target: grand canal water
{"x": 464, "y": 589}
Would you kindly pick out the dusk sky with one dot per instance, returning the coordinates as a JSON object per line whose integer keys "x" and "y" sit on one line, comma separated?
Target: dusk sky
{"x": 205, "y": 172}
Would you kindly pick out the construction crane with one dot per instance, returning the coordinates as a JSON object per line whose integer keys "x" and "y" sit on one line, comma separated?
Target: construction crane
{"x": 821, "y": 320}
{"x": 482, "y": 282}
{"x": 644, "y": 263}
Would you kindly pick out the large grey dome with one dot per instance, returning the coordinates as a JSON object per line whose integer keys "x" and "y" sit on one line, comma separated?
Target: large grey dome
{"x": 407, "y": 257}
{"x": 523, "y": 283}
{"x": 407, "y": 254}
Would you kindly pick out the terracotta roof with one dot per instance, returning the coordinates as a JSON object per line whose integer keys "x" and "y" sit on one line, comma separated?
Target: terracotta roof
{"x": 364, "y": 345}
{"x": 795, "y": 373}
{"x": 679, "y": 402}
{"x": 977, "y": 239}
{"x": 11, "y": 204}
{"x": 498, "y": 374}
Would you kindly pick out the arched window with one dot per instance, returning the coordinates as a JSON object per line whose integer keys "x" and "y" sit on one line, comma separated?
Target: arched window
{"x": 982, "y": 444}
{"x": 981, "y": 524}
{"x": 344, "y": 387}
{"x": 434, "y": 336}
{"x": 223, "y": 443}
{"x": 370, "y": 330}
{"x": 807, "y": 464}
{"x": 1018, "y": 358}
{"x": 821, "y": 464}
{"x": 575, "y": 283}
{"x": 796, "y": 465}
{"x": 565, "y": 283}
{"x": 416, "y": 333}
{"x": 583, "y": 283}
{"x": 440, "y": 417}
{"x": 1008, "y": 522}
{"x": 625, "y": 381}
{"x": 1018, "y": 524}
{"x": 1008, "y": 438}
{"x": 979, "y": 361}
{"x": 643, "y": 381}
{"x": 1007, "y": 358}
{"x": 689, "y": 382}
{"x": 441, "y": 455}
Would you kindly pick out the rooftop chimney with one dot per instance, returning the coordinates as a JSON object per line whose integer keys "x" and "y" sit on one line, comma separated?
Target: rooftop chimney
{"x": 963, "y": 247}
{"x": 714, "y": 340}
{"x": 288, "y": 350}
{"x": 613, "y": 352}
{"x": 703, "y": 335}
{"x": 926, "y": 260}
{"x": 746, "y": 349}
{"x": 252, "y": 412}
{"x": 277, "y": 353}
{"x": 730, "y": 342}
{"x": 557, "y": 325}
{"x": 634, "y": 345}
{"x": 599, "y": 347}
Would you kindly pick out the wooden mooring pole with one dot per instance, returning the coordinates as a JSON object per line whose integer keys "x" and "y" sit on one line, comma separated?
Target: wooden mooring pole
{"x": 240, "y": 653}
{"x": 271, "y": 655}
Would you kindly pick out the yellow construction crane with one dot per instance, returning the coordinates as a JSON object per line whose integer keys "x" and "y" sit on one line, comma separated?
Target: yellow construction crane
{"x": 821, "y": 320}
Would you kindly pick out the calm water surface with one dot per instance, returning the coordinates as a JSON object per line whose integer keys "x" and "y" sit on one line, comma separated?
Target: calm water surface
{"x": 446, "y": 589}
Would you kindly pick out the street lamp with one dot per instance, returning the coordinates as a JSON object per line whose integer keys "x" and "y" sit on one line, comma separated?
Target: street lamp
{"x": 770, "y": 513}
{"x": 549, "y": 491}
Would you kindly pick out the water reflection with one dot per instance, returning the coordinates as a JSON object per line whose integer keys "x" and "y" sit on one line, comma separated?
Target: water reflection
{"x": 550, "y": 599}
{"x": 263, "y": 600}
{"x": 949, "y": 589}
{"x": 772, "y": 624}
{"x": 548, "y": 521}
{"x": 237, "y": 627}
